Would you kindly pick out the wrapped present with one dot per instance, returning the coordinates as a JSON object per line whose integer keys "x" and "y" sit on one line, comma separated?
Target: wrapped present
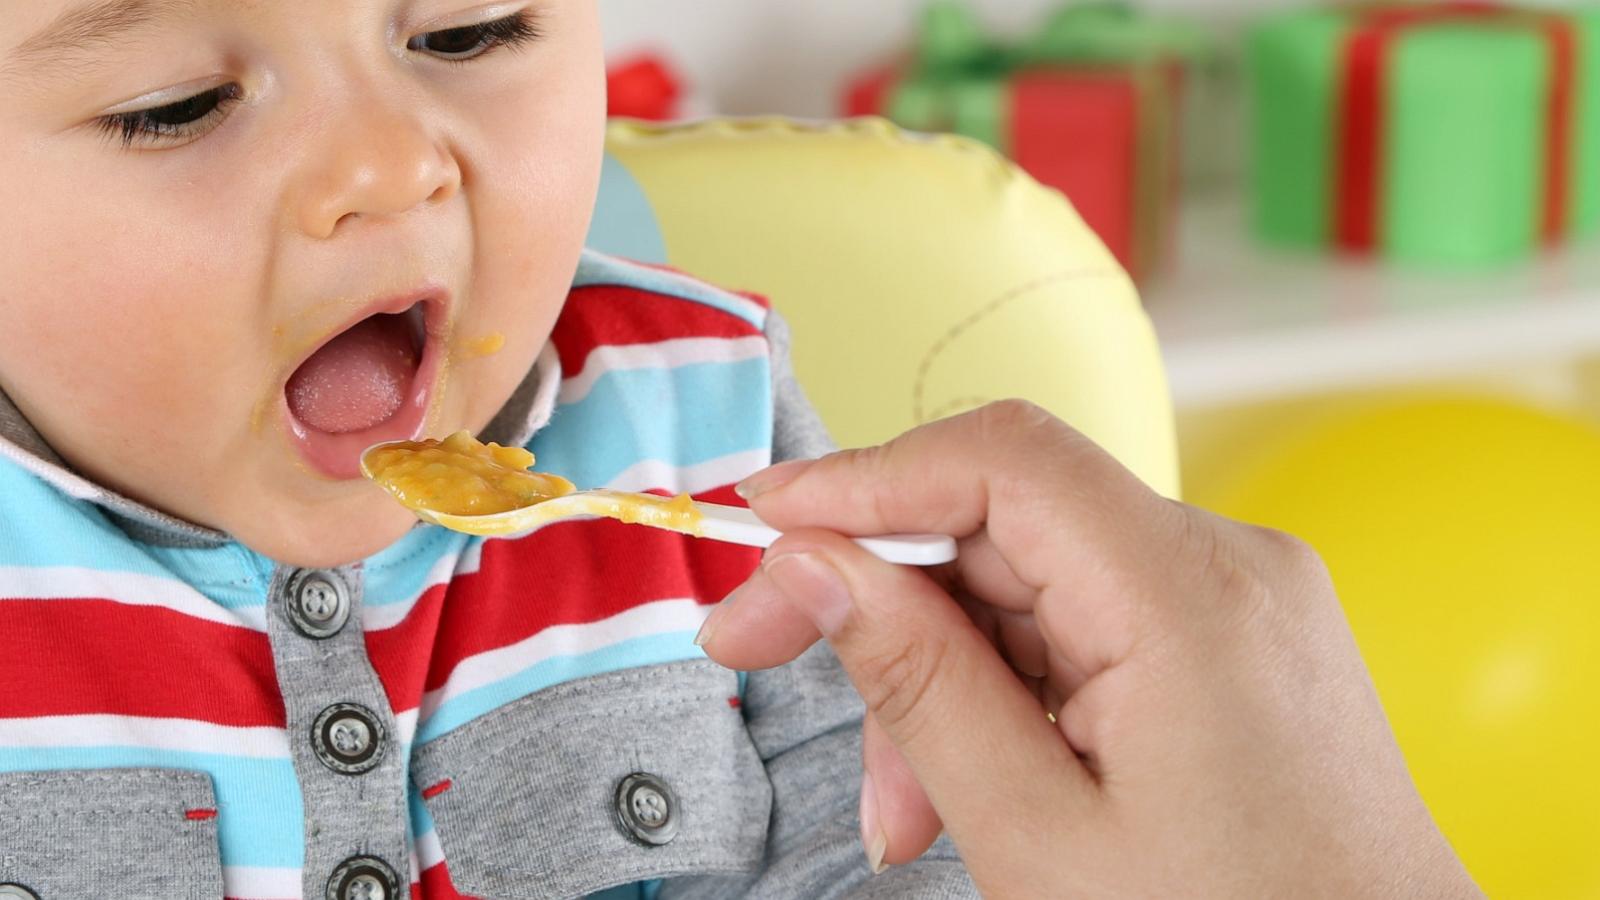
{"x": 1088, "y": 104}
{"x": 1451, "y": 134}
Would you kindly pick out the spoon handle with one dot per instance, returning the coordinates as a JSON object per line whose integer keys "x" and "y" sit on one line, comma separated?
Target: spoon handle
{"x": 737, "y": 525}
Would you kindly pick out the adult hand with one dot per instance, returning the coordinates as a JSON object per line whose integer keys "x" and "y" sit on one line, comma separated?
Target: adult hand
{"x": 1214, "y": 731}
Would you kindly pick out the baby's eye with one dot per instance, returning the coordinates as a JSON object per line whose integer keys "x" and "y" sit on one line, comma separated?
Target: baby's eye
{"x": 185, "y": 119}
{"x": 472, "y": 41}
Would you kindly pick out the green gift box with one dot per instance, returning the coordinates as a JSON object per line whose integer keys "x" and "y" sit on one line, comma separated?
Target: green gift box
{"x": 1447, "y": 134}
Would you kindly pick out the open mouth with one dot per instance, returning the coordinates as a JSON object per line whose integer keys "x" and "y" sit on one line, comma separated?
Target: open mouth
{"x": 367, "y": 384}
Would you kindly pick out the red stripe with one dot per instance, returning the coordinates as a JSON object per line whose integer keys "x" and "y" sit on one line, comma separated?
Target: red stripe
{"x": 402, "y": 655}
{"x": 434, "y": 791}
{"x": 576, "y": 573}
{"x": 1558, "y": 144}
{"x": 434, "y": 884}
{"x": 96, "y": 657}
{"x": 199, "y": 815}
{"x": 609, "y": 315}
{"x": 1363, "y": 117}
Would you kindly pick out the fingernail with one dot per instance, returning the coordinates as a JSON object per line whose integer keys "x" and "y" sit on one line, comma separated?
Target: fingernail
{"x": 707, "y": 629}
{"x": 772, "y": 478}
{"x": 872, "y": 836}
{"x": 756, "y": 589}
{"x": 815, "y": 586}
{"x": 709, "y": 626}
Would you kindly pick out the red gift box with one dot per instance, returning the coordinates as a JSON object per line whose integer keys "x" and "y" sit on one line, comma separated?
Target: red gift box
{"x": 1104, "y": 135}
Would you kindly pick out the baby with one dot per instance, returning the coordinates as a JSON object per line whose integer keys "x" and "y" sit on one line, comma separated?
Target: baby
{"x": 244, "y": 240}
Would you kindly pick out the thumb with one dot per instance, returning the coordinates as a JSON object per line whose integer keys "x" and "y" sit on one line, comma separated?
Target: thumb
{"x": 972, "y": 733}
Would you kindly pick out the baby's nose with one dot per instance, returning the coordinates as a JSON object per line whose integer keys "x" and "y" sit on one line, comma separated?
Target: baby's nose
{"x": 376, "y": 162}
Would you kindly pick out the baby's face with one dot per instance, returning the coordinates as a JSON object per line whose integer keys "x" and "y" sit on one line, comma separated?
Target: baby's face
{"x": 244, "y": 240}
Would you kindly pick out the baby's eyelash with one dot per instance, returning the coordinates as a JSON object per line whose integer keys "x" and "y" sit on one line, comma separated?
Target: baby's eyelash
{"x": 472, "y": 41}
{"x": 188, "y": 117}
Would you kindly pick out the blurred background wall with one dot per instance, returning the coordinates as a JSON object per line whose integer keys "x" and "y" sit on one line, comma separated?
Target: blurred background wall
{"x": 760, "y": 56}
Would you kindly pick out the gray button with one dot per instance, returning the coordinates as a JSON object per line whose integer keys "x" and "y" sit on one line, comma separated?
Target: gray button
{"x": 348, "y": 738}
{"x": 318, "y": 603}
{"x": 363, "y": 878}
{"x": 13, "y": 891}
{"x": 647, "y": 809}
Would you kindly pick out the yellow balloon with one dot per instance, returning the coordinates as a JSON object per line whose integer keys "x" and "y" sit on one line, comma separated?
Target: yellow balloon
{"x": 1464, "y": 537}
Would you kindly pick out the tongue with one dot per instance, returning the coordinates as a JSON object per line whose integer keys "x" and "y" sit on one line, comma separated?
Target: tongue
{"x": 357, "y": 380}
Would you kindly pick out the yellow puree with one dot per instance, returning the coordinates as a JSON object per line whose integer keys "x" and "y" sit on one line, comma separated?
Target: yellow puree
{"x": 459, "y": 476}
{"x": 488, "y": 345}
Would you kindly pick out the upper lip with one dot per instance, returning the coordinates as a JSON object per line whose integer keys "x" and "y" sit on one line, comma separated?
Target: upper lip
{"x": 435, "y": 302}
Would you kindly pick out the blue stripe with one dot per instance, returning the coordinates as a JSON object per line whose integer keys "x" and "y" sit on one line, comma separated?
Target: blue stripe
{"x": 631, "y": 654}
{"x": 682, "y": 416}
{"x": 43, "y": 527}
{"x": 400, "y": 573}
{"x": 597, "y": 269}
{"x": 421, "y": 819}
{"x": 259, "y": 812}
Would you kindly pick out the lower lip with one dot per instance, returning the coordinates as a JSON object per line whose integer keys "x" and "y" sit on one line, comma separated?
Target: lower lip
{"x": 338, "y": 456}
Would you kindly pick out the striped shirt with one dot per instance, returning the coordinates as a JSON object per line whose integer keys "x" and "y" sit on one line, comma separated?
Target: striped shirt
{"x": 117, "y": 652}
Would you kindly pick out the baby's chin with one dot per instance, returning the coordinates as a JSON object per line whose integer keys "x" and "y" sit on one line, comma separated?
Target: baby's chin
{"x": 324, "y": 535}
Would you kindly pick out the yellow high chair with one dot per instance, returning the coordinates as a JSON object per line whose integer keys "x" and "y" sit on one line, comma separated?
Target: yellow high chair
{"x": 921, "y": 276}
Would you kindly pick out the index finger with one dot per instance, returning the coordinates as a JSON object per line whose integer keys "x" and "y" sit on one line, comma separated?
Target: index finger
{"x": 1055, "y": 506}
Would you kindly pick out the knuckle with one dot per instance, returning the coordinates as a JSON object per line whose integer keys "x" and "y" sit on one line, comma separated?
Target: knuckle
{"x": 1014, "y": 417}
{"x": 1293, "y": 556}
{"x": 1230, "y": 575}
{"x": 900, "y": 681}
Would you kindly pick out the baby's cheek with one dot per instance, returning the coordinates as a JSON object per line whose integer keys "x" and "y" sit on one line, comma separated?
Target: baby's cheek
{"x": 119, "y": 333}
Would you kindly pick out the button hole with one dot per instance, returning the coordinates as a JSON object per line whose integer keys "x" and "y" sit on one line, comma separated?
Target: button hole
{"x": 429, "y": 793}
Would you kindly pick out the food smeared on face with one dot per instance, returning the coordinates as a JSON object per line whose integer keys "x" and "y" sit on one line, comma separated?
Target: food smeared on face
{"x": 488, "y": 345}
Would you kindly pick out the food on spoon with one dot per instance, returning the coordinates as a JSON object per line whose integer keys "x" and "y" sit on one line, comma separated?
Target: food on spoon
{"x": 459, "y": 476}
{"x": 469, "y": 486}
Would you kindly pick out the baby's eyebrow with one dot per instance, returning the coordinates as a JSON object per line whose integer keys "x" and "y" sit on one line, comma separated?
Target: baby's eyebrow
{"x": 90, "y": 25}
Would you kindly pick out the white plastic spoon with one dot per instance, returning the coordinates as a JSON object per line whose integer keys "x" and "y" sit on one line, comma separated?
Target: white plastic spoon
{"x": 731, "y": 524}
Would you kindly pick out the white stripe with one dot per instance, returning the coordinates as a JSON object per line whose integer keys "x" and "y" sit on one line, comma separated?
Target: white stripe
{"x": 256, "y": 883}
{"x": 378, "y": 616}
{"x": 428, "y": 852}
{"x": 128, "y": 588}
{"x": 713, "y": 473}
{"x": 405, "y": 726}
{"x": 660, "y": 617}
{"x": 688, "y": 286}
{"x": 183, "y": 735}
{"x": 660, "y": 355}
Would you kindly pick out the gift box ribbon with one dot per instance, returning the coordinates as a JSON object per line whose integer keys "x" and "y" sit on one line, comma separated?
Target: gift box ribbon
{"x": 1367, "y": 54}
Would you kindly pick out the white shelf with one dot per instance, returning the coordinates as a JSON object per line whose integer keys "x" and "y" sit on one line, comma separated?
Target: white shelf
{"x": 1239, "y": 322}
